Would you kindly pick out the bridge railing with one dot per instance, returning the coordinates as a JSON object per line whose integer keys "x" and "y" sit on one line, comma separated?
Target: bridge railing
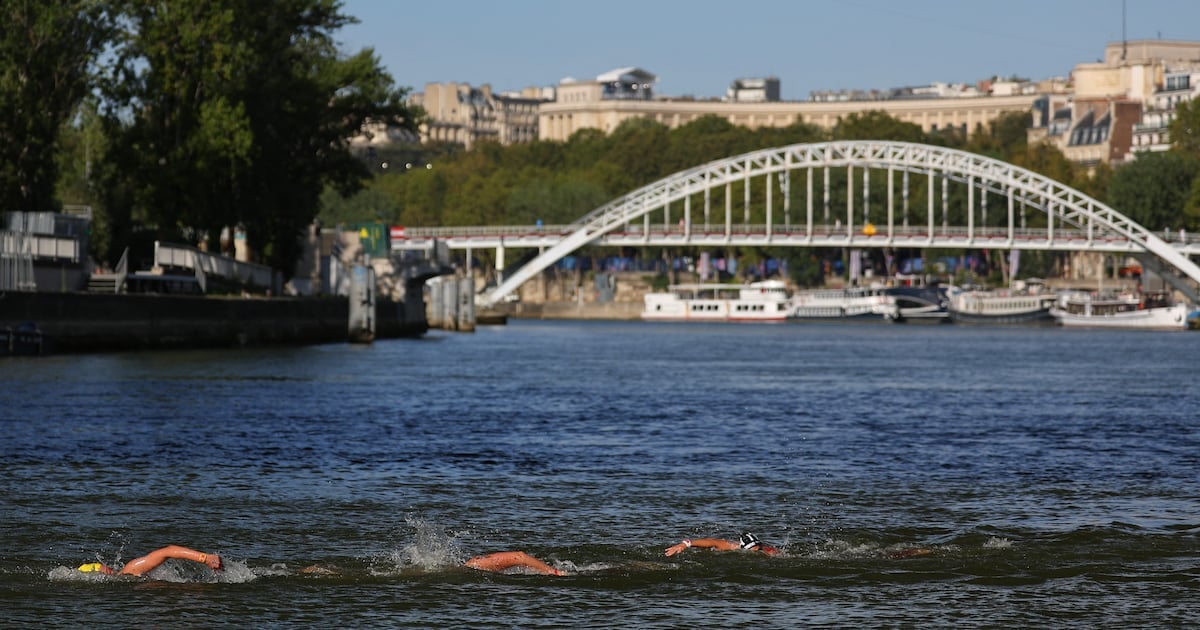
{"x": 822, "y": 230}
{"x": 793, "y": 228}
{"x": 487, "y": 231}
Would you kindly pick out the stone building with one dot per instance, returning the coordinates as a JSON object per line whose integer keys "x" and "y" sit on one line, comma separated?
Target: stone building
{"x": 461, "y": 114}
{"x": 1121, "y": 104}
{"x": 1152, "y": 131}
{"x": 764, "y": 90}
{"x": 619, "y": 95}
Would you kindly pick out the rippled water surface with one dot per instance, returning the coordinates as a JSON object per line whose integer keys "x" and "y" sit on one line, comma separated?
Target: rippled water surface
{"x": 1052, "y": 473}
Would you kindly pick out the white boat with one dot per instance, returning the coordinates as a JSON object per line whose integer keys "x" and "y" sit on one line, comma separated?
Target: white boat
{"x": 1023, "y": 305}
{"x": 1125, "y": 310}
{"x": 765, "y": 301}
{"x": 854, "y": 302}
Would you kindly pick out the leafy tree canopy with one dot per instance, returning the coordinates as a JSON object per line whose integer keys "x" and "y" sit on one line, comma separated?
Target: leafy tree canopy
{"x": 1153, "y": 189}
{"x": 1185, "y": 128}
{"x": 877, "y": 125}
{"x": 225, "y": 113}
{"x": 46, "y": 52}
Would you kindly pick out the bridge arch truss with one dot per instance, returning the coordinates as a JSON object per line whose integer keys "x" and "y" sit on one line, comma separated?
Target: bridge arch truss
{"x": 1073, "y": 221}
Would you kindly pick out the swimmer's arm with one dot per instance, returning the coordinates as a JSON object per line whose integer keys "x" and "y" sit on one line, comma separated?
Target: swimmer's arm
{"x": 909, "y": 553}
{"x": 507, "y": 559}
{"x": 717, "y": 544}
{"x": 148, "y": 562}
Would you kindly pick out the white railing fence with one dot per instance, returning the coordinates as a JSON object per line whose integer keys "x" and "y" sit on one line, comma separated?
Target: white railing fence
{"x": 205, "y": 264}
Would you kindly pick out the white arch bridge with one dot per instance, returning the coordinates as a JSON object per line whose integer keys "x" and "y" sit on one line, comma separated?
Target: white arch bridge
{"x": 678, "y": 211}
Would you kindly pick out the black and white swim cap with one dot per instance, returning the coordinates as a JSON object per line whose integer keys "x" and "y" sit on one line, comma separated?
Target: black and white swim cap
{"x": 750, "y": 541}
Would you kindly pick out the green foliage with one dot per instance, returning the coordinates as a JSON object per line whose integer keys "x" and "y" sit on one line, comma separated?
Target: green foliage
{"x": 1191, "y": 210}
{"x": 658, "y": 283}
{"x": 1046, "y": 160}
{"x": 230, "y": 113}
{"x": 370, "y": 204}
{"x": 1004, "y": 138}
{"x": 81, "y": 142}
{"x": 638, "y": 146}
{"x": 804, "y": 266}
{"x": 1154, "y": 189}
{"x": 1097, "y": 184}
{"x": 46, "y": 53}
{"x": 1185, "y": 128}
{"x": 877, "y": 125}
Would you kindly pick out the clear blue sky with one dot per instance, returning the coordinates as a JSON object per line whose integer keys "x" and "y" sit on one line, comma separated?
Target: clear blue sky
{"x": 697, "y": 47}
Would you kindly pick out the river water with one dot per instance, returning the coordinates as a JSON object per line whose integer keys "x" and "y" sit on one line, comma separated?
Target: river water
{"x": 1051, "y": 473}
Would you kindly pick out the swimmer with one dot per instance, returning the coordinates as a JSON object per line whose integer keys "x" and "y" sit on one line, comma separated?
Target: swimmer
{"x": 748, "y": 542}
{"x": 909, "y": 553}
{"x": 148, "y": 562}
{"x": 501, "y": 560}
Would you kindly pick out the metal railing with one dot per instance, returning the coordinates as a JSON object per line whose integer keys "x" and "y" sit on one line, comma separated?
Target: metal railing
{"x": 47, "y": 223}
{"x": 55, "y": 247}
{"x": 205, "y": 264}
{"x": 455, "y": 234}
{"x": 121, "y": 272}
{"x": 16, "y": 262}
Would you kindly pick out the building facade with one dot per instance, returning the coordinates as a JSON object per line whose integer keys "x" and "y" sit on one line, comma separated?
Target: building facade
{"x": 458, "y": 113}
{"x": 1109, "y": 110}
{"x": 1120, "y": 105}
{"x": 1152, "y": 131}
{"x": 558, "y": 120}
{"x": 764, "y": 90}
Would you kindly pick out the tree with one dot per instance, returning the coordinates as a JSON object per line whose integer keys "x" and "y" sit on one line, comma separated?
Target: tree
{"x": 369, "y": 204}
{"x": 1045, "y": 159}
{"x": 877, "y": 125}
{"x": 1185, "y": 139}
{"x": 1185, "y": 128}
{"x": 229, "y": 113}
{"x": 1154, "y": 189}
{"x": 1191, "y": 210}
{"x": 46, "y": 54}
{"x": 638, "y": 147}
{"x": 81, "y": 141}
{"x": 1004, "y": 138}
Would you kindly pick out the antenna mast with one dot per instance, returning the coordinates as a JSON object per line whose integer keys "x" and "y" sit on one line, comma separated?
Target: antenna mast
{"x": 1124, "y": 41}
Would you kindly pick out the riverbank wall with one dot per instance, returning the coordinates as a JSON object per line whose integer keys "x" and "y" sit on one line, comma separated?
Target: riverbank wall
{"x": 86, "y": 322}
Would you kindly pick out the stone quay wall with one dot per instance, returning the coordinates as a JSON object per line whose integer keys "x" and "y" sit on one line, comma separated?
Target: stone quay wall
{"x": 85, "y": 322}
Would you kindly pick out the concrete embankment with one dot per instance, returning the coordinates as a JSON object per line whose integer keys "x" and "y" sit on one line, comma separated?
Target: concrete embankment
{"x": 82, "y": 322}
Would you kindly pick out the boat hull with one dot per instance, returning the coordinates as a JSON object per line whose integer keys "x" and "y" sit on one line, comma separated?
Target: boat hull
{"x": 918, "y": 304}
{"x": 763, "y": 302}
{"x": 841, "y": 304}
{"x": 1039, "y": 317}
{"x": 1173, "y": 317}
{"x": 1001, "y": 308}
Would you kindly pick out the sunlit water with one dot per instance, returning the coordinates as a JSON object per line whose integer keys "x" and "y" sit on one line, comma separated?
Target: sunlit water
{"x": 1053, "y": 474}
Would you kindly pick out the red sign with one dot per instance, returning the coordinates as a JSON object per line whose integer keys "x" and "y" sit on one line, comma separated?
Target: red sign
{"x": 397, "y": 232}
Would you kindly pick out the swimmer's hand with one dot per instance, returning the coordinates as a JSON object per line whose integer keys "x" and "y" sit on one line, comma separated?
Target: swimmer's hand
{"x": 214, "y": 562}
{"x": 674, "y": 549}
